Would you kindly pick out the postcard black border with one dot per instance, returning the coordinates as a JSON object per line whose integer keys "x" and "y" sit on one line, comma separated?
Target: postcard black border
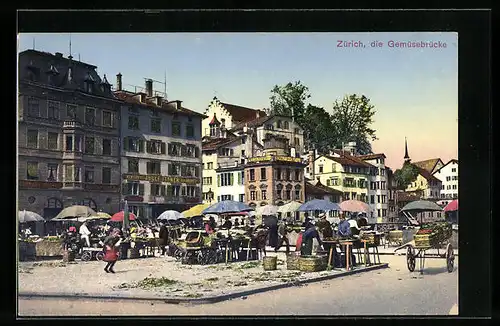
{"x": 475, "y": 156}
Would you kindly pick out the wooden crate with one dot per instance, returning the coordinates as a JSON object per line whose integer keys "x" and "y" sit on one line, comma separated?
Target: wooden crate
{"x": 312, "y": 263}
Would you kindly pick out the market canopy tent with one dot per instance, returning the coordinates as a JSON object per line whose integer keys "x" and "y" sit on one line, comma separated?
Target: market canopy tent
{"x": 103, "y": 215}
{"x": 227, "y": 206}
{"x": 419, "y": 206}
{"x": 195, "y": 210}
{"x": 355, "y": 206}
{"x": 74, "y": 212}
{"x": 290, "y": 207}
{"x": 170, "y": 215}
{"x": 267, "y": 210}
{"x": 319, "y": 205}
{"x": 28, "y": 216}
{"x": 452, "y": 206}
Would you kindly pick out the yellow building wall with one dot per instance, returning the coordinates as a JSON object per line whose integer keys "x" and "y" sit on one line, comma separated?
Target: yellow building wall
{"x": 332, "y": 169}
{"x": 419, "y": 184}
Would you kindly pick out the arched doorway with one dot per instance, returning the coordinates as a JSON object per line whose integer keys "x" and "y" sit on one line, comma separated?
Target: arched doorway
{"x": 52, "y": 207}
{"x": 90, "y": 203}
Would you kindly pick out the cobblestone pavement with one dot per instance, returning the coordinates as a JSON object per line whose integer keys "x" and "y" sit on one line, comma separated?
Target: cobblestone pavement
{"x": 390, "y": 291}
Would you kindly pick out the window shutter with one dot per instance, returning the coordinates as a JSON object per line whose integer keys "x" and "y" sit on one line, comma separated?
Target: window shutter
{"x": 148, "y": 146}
{"x": 148, "y": 167}
{"x": 169, "y": 169}
{"x": 183, "y": 150}
{"x": 183, "y": 170}
{"x": 196, "y": 152}
{"x": 163, "y": 190}
{"x": 124, "y": 188}
{"x": 163, "y": 147}
{"x": 141, "y": 189}
{"x": 197, "y": 171}
{"x": 218, "y": 180}
{"x": 231, "y": 179}
{"x": 125, "y": 144}
{"x": 141, "y": 145}
{"x": 239, "y": 178}
{"x": 169, "y": 149}
{"x": 151, "y": 189}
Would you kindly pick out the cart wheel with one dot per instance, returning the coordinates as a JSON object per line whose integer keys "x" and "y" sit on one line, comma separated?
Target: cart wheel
{"x": 99, "y": 256}
{"x": 450, "y": 258}
{"x": 410, "y": 259}
{"x": 86, "y": 256}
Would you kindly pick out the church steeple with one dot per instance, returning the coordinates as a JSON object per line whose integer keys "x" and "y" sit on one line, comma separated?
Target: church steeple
{"x": 407, "y": 157}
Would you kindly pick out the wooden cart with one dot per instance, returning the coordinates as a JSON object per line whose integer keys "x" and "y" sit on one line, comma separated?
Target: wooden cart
{"x": 414, "y": 252}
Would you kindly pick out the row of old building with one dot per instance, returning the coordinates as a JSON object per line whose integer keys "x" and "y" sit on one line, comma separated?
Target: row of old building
{"x": 82, "y": 141}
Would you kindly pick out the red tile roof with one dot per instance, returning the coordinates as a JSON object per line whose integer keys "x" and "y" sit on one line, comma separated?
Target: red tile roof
{"x": 214, "y": 121}
{"x": 319, "y": 189}
{"x": 169, "y": 107}
{"x": 215, "y": 143}
{"x": 371, "y": 156}
{"x": 241, "y": 113}
{"x": 426, "y": 174}
{"x": 252, "y": 123}
{"x": 428, "y": 165}
{"x": 406, "y": 197}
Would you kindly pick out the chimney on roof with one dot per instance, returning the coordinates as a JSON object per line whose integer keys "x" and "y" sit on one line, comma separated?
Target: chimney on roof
{"x": 178, "y": 104}
{"x": 257, "y": 114}
{"x": 119, "y": 82}
{"x": 59, "y": 55}
{"x": 158, "y": 100}
{"x": 149, "y": 87}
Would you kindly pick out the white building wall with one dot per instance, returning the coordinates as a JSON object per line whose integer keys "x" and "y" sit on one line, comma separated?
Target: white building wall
{"x": 449, "y": 180}
{"x": 289, "y": 132}
{"x": 234, "y": 191}
{"x": 378, "y": 208}
{"x": 221, "y": 114}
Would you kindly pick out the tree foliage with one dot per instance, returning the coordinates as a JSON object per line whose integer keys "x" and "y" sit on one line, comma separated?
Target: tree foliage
{"x": 406, "y": 175}
{"x": 318, "y": 128}
{"x": 352, "y": 117}
{"x": 290, "y": 100}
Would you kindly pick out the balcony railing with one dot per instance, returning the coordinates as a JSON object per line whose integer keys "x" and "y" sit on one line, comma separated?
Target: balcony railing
{"x": 173, "y": 199}
{"x": 71, "y": 124}
{"x": 73, "y": 184}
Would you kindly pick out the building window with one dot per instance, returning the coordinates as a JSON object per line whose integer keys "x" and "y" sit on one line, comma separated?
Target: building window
{"x": 372, "y": 199}
{"x": 382, "y": 171}
{"x": 210, "y": 166}
{"x": 52, "y": 140}
{"x": 225, "y": 179}
{"x": 52, "y": 172}
{"x": 384, "y": 212}
{"x": 297, "y": 175}
{"x": 264, "y": 194}
{"x": 90, "y": 116}
{"x": 378, "y": 213}
{"x": 448, "y": 178}
{"x": 382, "y": 184}
{"x": 133, "y": 122}
{"x": 242, "y": 198}
{"x": 278, "y": 174}
{"x": 133, "y": 165}
{"x": 32, "y": 171}
{"x": 69, "y": 143}
{"x": 263, "y": 174}
{"x": 133, "y": 188}
{"x": 157, "y": 189}
{"x": 71, "y": 112}
{"x": 455, "y": 177}
{"x": 33, "y": 107}
{"x": 133, "y": 144}
{"x": 226, "y": 197}
{"x": 106, "y": 175}
{"x": 32, "y": 138}
{"x": 78, "y": 143}
{"x": 154, "y": 167}
{"x": 320, "y": 168}
{"x": 155, "y": 147}
{"x": 173, "y": 191}
{"x": 207, "y": 181}
{"x": 454, "y": 187}
{"x": 174, "y": 149}
{"x": 384, "y": 198}
{"x": 106, "y": 147}
{"x": 53, "y": 110}
{"x": 253, "y": 195}
{"x": 252, "y": 175}
{"x": 156, "y": 125}
{"x": 297, "y": 194}
{"x": 288, "y": 194}
{"x": 89, "y": 174}
{"x": 176, "y": 128}
{"x": 189, "y": 131}
{"x": 174, "y": 169}
{"x": 453, "y": 169}
{"x": 89, "y": 145}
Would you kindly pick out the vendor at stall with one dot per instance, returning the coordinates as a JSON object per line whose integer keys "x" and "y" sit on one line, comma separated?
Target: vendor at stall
{"x": 208, "y": 225}
{"x": 227, "y": 223}
{"x": 344, "y": 228}
{"x": 163, "y": 238}
{"x": 282, "y": 236}
{"x": 236, "y": 223}
{"x": 307, "y": 239}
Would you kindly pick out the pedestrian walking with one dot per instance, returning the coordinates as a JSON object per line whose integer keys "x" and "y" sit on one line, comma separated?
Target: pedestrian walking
{"x": 163, "y": 238}
{"x": 111, "y": 246}
{"x": 283, "y": 236}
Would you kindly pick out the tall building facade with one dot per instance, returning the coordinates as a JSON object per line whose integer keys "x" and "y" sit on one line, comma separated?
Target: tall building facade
{"x": 448, "y": 174}
{"x": 68, "y": 135}
{"x": 160, "y": 153}
{"x": 378, "y": 194}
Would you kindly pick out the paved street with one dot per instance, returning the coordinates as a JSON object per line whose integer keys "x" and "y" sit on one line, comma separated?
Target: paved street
{"x": 391, "y": 291}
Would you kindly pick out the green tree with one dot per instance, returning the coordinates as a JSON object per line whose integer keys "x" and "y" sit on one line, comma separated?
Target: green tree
{"x": 318, "y": 129}
{"x": 406, "y": 175}
{"x": 289, "y": 100}
{"x": 352, "y": 118}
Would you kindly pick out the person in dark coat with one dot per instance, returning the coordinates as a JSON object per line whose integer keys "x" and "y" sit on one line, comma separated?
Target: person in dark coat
{"x": 111, "y": 245}
{"x": 227, "y": 224}
{"x": 283, "y": 236}
{"x": 307, "y": 240}
{"x": 163, "y": 239}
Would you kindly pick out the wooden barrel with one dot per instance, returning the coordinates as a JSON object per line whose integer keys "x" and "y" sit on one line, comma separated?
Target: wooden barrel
{"x": 133, "y": 253}
{"x": 312, "y": 263}
{"x": 292, "y": 261}
{"x": 270, "y": 263}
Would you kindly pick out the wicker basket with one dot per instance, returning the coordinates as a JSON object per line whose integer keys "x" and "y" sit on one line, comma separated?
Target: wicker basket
{"x": 312, "y": 263}
{"x": 270, "y": 263}
{"x": 372, "y": 239}
{"x": 292, "y": 262}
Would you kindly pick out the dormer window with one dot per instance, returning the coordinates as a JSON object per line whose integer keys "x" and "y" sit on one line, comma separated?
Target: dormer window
{"x": 105, "y": 85}
{"x": 89, "y": 83}
{"x": 223, "y": 123}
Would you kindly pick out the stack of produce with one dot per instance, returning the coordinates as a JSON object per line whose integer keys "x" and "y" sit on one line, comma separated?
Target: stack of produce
{"x": 371, "y": 237}
{"x": 333, "y": 238}
{"x": 432, "y": 234}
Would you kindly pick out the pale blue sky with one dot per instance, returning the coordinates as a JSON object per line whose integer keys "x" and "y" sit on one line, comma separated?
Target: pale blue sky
{"x": 415, "y": 91}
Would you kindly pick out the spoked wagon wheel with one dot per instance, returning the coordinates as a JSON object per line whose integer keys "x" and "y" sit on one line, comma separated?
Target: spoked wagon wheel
{"x": 450, "y": 258}
{"x": 410, "y": 259}
{"x": 86, "y": 256}
{"x": 99, "y": 256}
